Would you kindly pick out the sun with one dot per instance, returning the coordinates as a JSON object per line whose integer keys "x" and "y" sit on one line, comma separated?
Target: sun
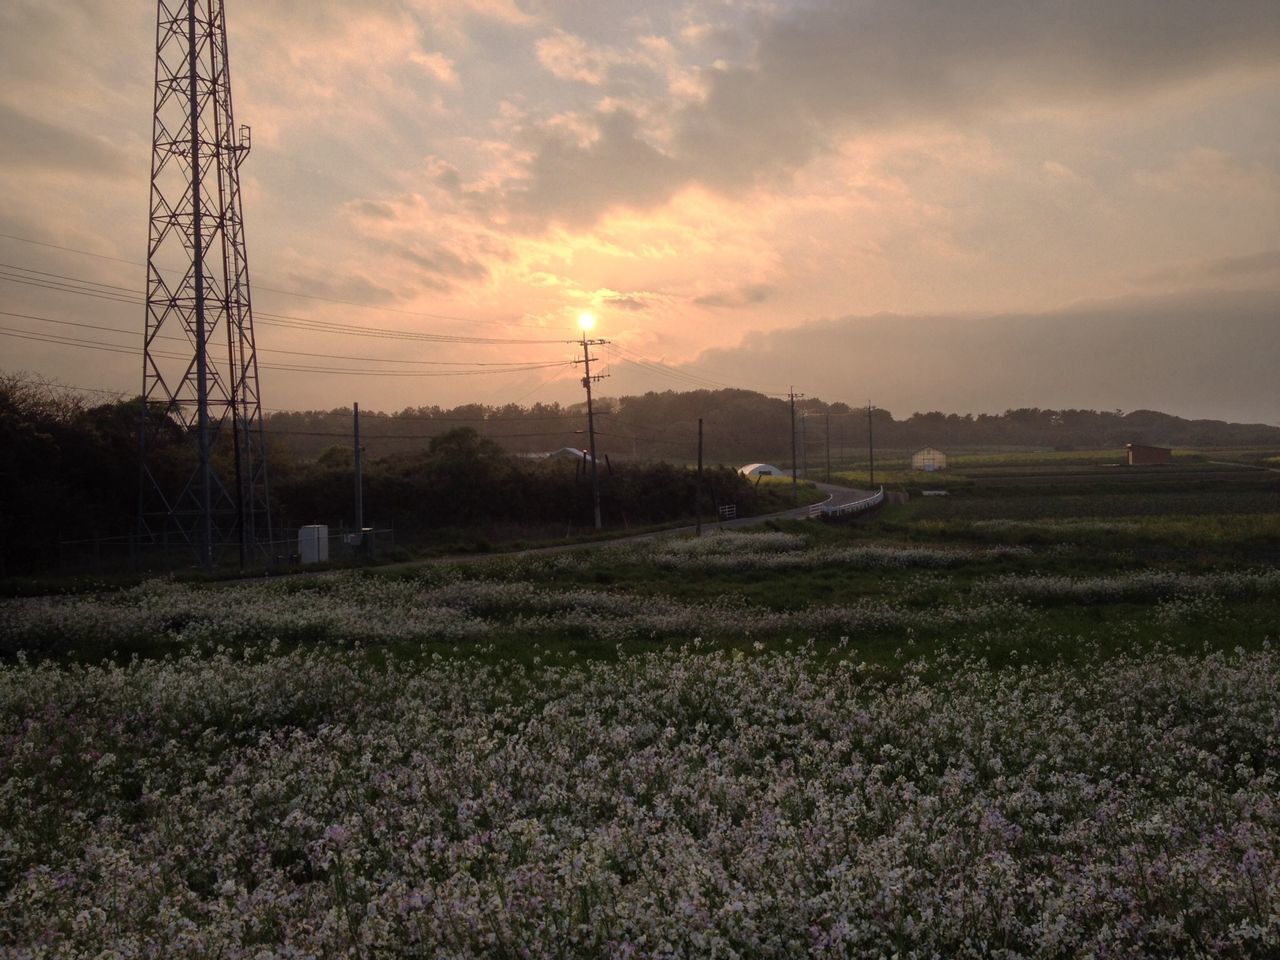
{"x": 586, "y": 321}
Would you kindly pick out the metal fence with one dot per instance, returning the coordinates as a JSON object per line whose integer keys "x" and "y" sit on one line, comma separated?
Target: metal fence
{"x": 106, "y": 555}
{"x": 847, "y": 509}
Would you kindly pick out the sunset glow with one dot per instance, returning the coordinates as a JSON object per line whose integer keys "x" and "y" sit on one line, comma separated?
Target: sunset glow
{"x": 725, "y": 180}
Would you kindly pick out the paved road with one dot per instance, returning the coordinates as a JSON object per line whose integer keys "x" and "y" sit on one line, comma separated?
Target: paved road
{"x": 836, "y": 496}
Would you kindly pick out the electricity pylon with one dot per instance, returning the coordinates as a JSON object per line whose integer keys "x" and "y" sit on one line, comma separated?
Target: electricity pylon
{"x": 197, "y": 301}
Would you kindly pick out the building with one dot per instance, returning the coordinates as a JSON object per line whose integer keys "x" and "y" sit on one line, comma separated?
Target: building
{"x": 929, "y": 459}
{"x": 760, "y": 470}
{"x": 1140, "y": 455}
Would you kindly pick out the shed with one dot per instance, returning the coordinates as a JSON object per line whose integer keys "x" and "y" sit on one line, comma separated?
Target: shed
{"x": 1139, "y": 454}
{"x": 760, "y": 470}
{"x": 929, "y": 459}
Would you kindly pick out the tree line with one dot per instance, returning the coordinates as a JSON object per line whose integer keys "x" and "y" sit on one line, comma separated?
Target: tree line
{"x": 742, "y": 426}
{"x": 69, "y": 481}
{"x": 71, "y": 473}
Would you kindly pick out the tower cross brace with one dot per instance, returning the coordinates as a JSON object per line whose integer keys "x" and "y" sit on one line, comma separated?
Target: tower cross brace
{"x": 195, "y": 393}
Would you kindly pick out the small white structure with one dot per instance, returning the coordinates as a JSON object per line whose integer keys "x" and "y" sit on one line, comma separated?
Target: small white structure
{"x": 313, "y": 543}
{"x": 569, "y": 453}
{"x": 760, "y": 470}
{"x": 929, "y": 460}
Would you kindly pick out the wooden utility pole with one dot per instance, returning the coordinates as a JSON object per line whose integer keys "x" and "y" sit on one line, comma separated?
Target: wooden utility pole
{"x": 871, "y": 444}
{"x": 355, "y": 407}
{"x": 795, "y": 489}
{"x": 698, "y": 494}
{"x": 828, "y": 446}
{"x": 587, "y": 380}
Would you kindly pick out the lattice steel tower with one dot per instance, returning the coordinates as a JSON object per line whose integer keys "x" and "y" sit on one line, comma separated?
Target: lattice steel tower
{"x": 197, "y": 302}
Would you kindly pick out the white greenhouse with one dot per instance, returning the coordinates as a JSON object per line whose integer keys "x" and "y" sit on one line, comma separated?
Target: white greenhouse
{"x": 760, "y": 470}
{"x": 929, "y": 459}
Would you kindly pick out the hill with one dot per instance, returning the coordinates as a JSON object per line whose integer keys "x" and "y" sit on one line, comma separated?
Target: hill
{"x": 741, "y": 426}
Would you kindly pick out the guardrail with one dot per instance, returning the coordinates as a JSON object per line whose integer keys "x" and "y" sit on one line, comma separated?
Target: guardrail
{"x": 845, "y": 509}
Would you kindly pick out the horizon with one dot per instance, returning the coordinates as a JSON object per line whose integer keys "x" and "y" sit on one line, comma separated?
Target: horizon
{"x": 572, "y": 405}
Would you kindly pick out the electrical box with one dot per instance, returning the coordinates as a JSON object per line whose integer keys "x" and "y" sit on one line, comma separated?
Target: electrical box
{"x": 313, "y": 543}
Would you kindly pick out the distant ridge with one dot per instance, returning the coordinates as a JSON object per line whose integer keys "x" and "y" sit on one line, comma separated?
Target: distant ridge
{"x": 746, "y": 426}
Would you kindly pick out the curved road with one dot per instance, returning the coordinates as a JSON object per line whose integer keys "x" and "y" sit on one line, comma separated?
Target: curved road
{"x": 836, "y": 496}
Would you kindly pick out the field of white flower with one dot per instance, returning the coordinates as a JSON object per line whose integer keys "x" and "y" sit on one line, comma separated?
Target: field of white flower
{"x": 688, "y": 803}
{"x": 468, "y": 605}
{"x": 537, "y": 598}
{"x": 532, "y": 757}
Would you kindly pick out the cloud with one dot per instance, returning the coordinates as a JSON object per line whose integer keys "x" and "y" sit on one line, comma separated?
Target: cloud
{"x": 569, "y": 58}
{"x": 1266, "y": 263}
{"x": 740, "y": 297}
{"x": 1207, "y": 353}
{"x": 338, "y": 285}
{"x": 27, "y": 141}
{"x": 436, "y": 65}
{"x": 1261, "y": 267}
{"x": 574, "y": 182}
{"x": 828, "y": 70}
{"x": 374, "y": 209}
{"x": 443, "y": 265}
{"x": 626, "y": 301}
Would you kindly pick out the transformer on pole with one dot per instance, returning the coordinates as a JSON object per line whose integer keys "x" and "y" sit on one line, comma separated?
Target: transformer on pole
{"x": 588, "y": 379}
{"x": 200, "y": 365}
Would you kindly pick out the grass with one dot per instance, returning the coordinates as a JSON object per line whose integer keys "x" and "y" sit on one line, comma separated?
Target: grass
{"x": 905, "y": 577}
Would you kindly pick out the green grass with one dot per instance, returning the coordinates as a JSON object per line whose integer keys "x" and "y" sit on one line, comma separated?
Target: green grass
{"x": 1042, "y": 519}
{"x": 1038, "y": 457}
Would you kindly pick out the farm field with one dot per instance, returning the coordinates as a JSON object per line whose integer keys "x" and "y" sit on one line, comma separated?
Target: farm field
{"x": 1031, "y": 718}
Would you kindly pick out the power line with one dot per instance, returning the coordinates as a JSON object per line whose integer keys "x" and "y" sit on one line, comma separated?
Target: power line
{"x": 60, "y": 276}
{"x": 296, "y": 368}
{"x": 55, "y": 385}
{"x": 117, "y": 294}
{"x": 400, "y": 436}
{"x": 268, "y": 350}
{"x": 685, "y": 377}
{"x": 81, "y": 286}
{"x": 71, "y": 342}
{"x": 380, "y": 418}
{"x": 684, "y": 373}
{"x": 637, "y": 437}
{"x": 284, "y": 367}
{"x": 288, "y": 293}
{"x": 653, "y": 366}
{"x": 397, "y": 418}
{"x": 522, "y": 364}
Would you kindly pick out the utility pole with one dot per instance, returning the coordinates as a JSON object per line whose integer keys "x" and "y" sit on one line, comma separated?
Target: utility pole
{"x": 698, "y": 504}
{"x": 587, "y": 380}
{"x": 795, "y": 489}
{"x": 804, "y": 445}
{"x": 828, "y": 446}
{"x": 871, "y": 444}
{"x": 355, "y": 407}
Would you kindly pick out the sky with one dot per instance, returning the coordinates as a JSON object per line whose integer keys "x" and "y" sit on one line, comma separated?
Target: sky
{"x": 951, "y": 206}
